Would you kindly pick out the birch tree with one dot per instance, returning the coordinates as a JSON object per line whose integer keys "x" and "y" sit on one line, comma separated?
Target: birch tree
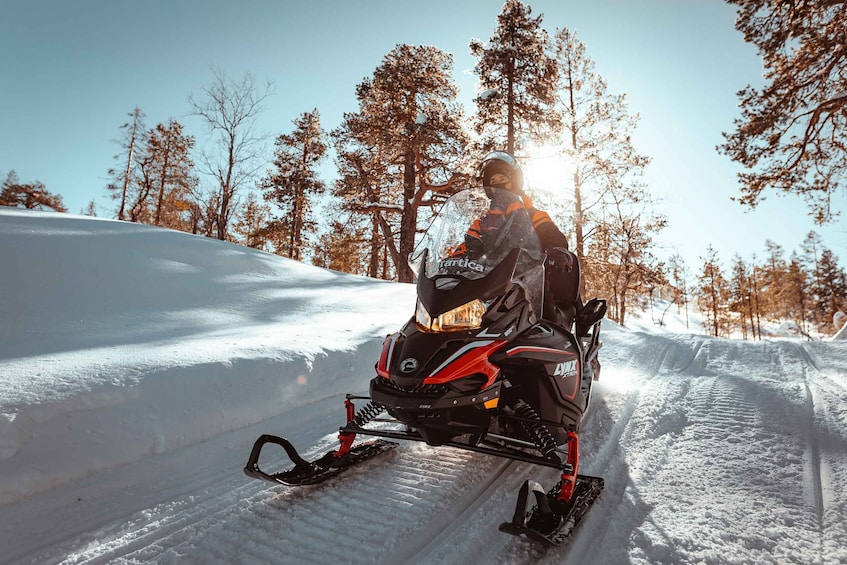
{"x": 230, "y": 108}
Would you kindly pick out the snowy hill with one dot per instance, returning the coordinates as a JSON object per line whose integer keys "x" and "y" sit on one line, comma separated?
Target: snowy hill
{"x": 137, "y": 365}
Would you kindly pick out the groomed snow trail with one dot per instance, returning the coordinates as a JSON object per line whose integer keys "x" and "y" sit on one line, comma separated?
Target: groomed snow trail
{"x": 703, "y": 461}
{"x": 722, "y": 464}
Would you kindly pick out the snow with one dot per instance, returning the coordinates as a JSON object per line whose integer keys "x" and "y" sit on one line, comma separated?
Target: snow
{"x": 138, "y": 365}
{"x": 839, "y": 320}
{"x": 488, "y": 94}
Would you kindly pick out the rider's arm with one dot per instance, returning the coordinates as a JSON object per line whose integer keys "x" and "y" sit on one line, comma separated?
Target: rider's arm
{"x": 547, "y": 231}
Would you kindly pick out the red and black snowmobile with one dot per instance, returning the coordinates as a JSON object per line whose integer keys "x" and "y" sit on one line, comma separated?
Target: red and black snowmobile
{"x": 481, "y": 366}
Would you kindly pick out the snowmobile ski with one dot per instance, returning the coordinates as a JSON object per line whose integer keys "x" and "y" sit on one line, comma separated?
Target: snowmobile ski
{"x": 313, "y": 472}
{"x": 552, "y": 521}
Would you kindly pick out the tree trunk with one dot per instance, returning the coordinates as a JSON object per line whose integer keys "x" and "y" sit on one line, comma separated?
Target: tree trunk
{"x": 293, "y": 236}
{"x": 226, "y": 192}
{"x": 135, "y": 118}
{"x": 510, "y": 109}
{"x": 409, "y": 220}
{"x": 373, "y": 263}
{"x": 162, "y": 183}
{"x": 714, "y": 309}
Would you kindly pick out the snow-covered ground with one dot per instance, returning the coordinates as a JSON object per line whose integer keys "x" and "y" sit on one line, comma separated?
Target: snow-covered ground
{"x": 137, "y": 366}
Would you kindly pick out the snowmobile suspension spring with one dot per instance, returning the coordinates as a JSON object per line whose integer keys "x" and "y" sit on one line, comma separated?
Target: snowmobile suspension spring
{"x": 368, "y": 413}
{"x": 541, "y": 436}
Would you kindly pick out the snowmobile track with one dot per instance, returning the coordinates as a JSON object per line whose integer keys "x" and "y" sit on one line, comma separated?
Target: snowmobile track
{"x": 814, "y": 450}
{"x": 417, "y": 547}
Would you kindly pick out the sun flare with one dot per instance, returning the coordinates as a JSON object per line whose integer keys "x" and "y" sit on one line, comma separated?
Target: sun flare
{"x": 546, "y": 168}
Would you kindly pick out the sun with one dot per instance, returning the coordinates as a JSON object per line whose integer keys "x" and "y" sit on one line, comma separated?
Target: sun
{"x": 546, "y": 168}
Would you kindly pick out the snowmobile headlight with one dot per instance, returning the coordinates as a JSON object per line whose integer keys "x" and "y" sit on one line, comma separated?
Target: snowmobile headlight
{"x": 465, "y": 317}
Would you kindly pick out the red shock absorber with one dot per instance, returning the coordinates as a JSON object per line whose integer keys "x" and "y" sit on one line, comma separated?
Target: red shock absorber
{"x": 347, "y": 438}
{"x": 571, "y": 469}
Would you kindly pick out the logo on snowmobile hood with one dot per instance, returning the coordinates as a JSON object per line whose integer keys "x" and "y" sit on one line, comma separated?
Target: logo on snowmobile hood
{"x": 461, "y": 263}
{"x": 408, "y": 365}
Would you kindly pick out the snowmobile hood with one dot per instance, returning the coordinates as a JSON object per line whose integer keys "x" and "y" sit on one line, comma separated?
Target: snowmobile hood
{"x": 443, "y": 293}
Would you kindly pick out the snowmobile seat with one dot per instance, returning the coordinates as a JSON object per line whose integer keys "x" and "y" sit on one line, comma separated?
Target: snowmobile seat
{"x": 563, "y": 293}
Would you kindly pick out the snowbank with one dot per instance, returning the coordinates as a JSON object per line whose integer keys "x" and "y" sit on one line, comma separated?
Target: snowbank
{"x": 120, "y": 340}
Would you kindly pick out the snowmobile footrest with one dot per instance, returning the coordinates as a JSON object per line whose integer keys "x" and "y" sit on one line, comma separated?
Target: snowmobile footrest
{"x": 311, "y": 472}
{"x": 552, "y": 522}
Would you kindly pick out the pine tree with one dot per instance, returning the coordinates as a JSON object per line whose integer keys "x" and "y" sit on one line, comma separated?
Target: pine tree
{"x": 830, "y": 295}
{"x": 172, "y": 168}
{"x": 90, "y": 210}
{"x": 795, "y": 293}
{"x": 712, "y": 295}
{"x": 33, "y": 195}
{"x": 756, "y": 298}
{"x": 516, "y": 78}
{"x": 163, "y": 186}
{"x": 790, "y": 136}
{"x": 605, "y": 271}
{"x": 740, "y": 295}
{"x": 812, "y": 247}
{"x": 678, "y": 280}
{"x": 772, "y": 277}
{"x": 621, "y": 264}
{"x": 342, "y": 249}
{"x": 251, "y": 224}
{"x": 401, "y": 147}
{"x": 293, "y": 182}
{"x": 595, "y": 134}
{"x": 359, "y": 194}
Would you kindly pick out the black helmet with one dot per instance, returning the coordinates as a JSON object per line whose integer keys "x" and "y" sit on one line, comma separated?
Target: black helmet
{"x": 503, "y": 163}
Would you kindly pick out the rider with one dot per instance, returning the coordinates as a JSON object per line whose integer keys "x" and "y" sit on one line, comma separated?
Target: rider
{"x": 501, "y": 170}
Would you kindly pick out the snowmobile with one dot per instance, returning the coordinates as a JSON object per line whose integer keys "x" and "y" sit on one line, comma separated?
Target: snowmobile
{"x": 488, "y": 363}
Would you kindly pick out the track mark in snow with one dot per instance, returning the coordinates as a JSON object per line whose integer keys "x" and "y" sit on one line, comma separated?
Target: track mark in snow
{"x": 688, "y": 442}
{"x": 814, "y": 457}
{"x": 433, "y": 487}
{"x": 806, "y": 355}
{"x": 814, "y": 472}
{"x": 418, "y": 546}
{"x": 603, "y": 442}
{"x": 722, "y": 409}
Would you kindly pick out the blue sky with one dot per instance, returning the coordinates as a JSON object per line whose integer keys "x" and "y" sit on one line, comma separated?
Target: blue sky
{"x": 72, "y": 71}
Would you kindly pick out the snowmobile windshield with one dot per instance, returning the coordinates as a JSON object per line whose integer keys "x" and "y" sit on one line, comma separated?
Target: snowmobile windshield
{"x": 474, "y": 232}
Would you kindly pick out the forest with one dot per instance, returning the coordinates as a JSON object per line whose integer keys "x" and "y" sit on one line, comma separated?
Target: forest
{"x": 410, "y": 145}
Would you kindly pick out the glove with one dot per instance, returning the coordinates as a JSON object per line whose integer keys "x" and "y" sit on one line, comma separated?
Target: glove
{"x": 560, "y": 258}
{"x": 473, "y": 246}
